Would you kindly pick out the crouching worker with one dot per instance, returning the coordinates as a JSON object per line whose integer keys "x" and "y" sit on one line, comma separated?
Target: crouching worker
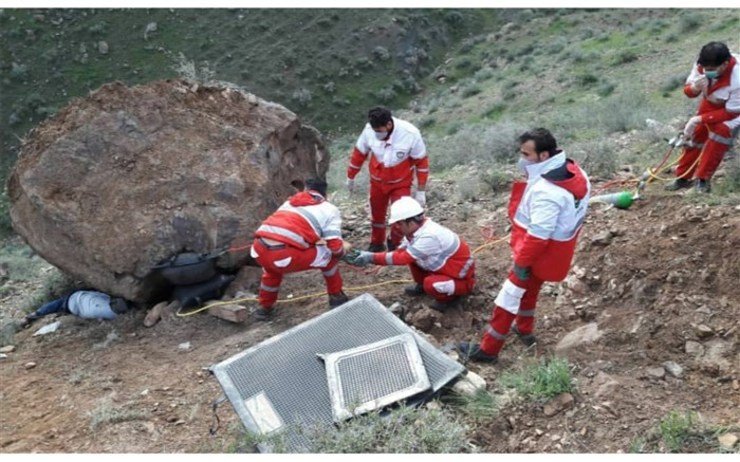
{"x": 304, "y": 233}
{"x": 440, "y": 261}
{"x": 86, "y": 304}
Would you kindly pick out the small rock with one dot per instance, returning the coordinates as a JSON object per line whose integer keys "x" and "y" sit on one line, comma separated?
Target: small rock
{"x": 48, "y": 329}
{"x": 469, "y": 384}
{"x": 694, "y": 348}
{"x": 602, "y": 239}
{"x": 703, "y": 331}
{"x": 30, "y": 365}
{"x": 172, "y": 419}
{"x": 3, "y": 356}
{"x": 7, "y": 349}
{"x": 673, "y": 277}
{"x": 145, "y": 392}
{"x": 559, "y": 403}
{"x": 736, "y": 384}
{"x": 180, "y": 422}
{"x": 727, "y": 441}
{"x": 433, "y": 406}
{"x": 656, "y": 372}
{"x": 673, "y": 368}
{"x": 585, "y": 334}
{"x": 103, "y": 48}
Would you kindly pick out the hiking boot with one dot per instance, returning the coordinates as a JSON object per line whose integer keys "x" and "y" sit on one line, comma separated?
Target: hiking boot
{"x": 443, "y": 306}
{"x": 376, "y": 248}
{"x": 414, "y": 290}
{"x": 262, "y": 314}
{"x": 336, "y": 300}
{"x": 703, "y": 186}
{"x": 527, "y": 339}
{"x": 472, "y": 351}
{"x": 679, "y": 183}
{"x": 391, "y": 246}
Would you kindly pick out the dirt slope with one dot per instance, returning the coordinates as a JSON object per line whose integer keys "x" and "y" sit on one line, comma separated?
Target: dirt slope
{"x": 654, "y": 278}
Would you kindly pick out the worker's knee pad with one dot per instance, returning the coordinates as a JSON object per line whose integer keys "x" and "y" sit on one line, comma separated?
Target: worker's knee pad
{"x": 510, "y": 297}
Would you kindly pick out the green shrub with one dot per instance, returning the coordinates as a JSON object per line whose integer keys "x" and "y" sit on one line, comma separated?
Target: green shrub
{"x": 543, "y": 379}
{"x": 689, "y": 22}
{"x": 471, "y": 90}
{"x": 404, "y": 430}
{"x": 673, "y": 82}
{"x": 624, "y": 56}
{"x": 675, "y": 429}
{"x": 605, "y": 89}
{"x": 586, "y": 79}
{"x": 481, "y": 407}
{"x": 597, "y": 157}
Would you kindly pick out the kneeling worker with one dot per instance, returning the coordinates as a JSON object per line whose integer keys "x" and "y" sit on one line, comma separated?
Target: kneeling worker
{"x": 440, "y": 261}
{"x": 304, "y": 233}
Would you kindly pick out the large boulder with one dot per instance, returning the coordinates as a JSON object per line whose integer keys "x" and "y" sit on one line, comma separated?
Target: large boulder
{"x": 125, "y": 178}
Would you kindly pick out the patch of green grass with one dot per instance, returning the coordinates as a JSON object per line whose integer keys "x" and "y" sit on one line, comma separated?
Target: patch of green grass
{"x": 483, "y": 406}
{"x": 543, "y": 379}
{"x": 403, "y": 430}
{"x": 105, "y": 414}
{"x": 675, "y": 429}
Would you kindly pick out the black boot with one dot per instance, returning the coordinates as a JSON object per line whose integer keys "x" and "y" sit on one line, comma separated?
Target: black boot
{"x": 527, "y": 339}
{"x": 472, "y": 351}
{"x": 414, "y": 290}
{"x": 703, "y": 186}
{"x": 443, "y": 306}
{"x": 391, "y": 246}
{"x": 336, "y": 300}
{"x": 679, "y": 183}
{"x": 262, "y": 314}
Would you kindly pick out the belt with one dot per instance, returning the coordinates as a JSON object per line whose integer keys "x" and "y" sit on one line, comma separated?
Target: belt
{"x": 271, "y": 244}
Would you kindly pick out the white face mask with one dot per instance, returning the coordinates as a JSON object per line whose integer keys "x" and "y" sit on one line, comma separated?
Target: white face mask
{"x": 523, "y": 164}
{"x": 381, "y": 135}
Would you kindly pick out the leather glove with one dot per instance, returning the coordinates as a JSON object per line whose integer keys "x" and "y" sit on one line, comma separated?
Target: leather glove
{"x": 691, "y": 125}
{"x": 364, "y": 258}
{"x": 700, "y": 83}
{"x": 521, "y": 272}
{"x": 421, "y": 198}
{"x": 350, "y": 185}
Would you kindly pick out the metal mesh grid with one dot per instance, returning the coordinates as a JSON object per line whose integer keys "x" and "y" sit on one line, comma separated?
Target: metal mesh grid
{"x": 361, "y": 381}
{"x": 293, "y": 378}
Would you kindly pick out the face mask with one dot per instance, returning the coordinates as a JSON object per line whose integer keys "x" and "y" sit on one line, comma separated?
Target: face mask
{"x": 523, "y": 164}
{"x": 381, "y": 135}
{"x": 711, "y": 74}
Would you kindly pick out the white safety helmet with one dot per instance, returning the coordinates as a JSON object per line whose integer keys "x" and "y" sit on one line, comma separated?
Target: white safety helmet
{"x": 405, "y": 208}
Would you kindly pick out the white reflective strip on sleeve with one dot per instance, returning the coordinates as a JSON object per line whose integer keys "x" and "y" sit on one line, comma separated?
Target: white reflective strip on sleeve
{"x": 283, "y": 263}
{"x": 720, "y": 139}
{"x": 389, "y": 258}
{"x": 267, "y": 288}
{"x": 445, "y": 287}
{"x": 323, "y": 255}
{"x": 509, "y": 297}
{"x": 253, "y": 253}
{"x": 331, "y": 272}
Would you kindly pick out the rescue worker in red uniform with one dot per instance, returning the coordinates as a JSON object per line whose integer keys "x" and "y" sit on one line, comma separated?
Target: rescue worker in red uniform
{"x": 304, "y": 233}
{"x": 716, "y": 78}
{"x": 440, "y": 261}
{"x": 396, "y": 151}
{"x": 547, "y": 213}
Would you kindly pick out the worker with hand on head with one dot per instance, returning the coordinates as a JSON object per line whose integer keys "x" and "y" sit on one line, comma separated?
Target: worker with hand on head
{"x": 715, "y": 77}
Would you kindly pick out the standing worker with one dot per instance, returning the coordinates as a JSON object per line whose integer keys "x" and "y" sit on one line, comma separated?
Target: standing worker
{"x": 440, "y": 261}
{"x": 397, "y": 150}
{"x": 547, "y": 213}
{"x": 716, "y": 78}
{"x": 304, "y": 233}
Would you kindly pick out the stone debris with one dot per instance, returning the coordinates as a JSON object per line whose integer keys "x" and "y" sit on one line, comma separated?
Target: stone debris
{"x": 558, "y": 404}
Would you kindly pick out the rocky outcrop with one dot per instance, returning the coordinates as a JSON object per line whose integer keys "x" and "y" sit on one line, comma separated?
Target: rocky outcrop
{"x": 127, "y": 177}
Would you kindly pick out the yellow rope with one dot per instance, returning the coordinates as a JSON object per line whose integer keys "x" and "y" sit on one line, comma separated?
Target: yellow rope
{"x": 319, "y": 294}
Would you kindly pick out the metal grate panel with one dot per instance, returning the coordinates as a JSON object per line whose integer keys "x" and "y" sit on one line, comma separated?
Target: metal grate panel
{"x": 293, "y": 379}
{"x": 373, "y": 376}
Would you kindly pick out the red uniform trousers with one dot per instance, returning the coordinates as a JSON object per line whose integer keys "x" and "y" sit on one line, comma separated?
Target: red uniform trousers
{"x": 301, "y": 259}
{"x": 427, "y": 280}
{"x": 501, "y": 319}
{"x": 381, "y": 196}
{"x": 717, "y": 139}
